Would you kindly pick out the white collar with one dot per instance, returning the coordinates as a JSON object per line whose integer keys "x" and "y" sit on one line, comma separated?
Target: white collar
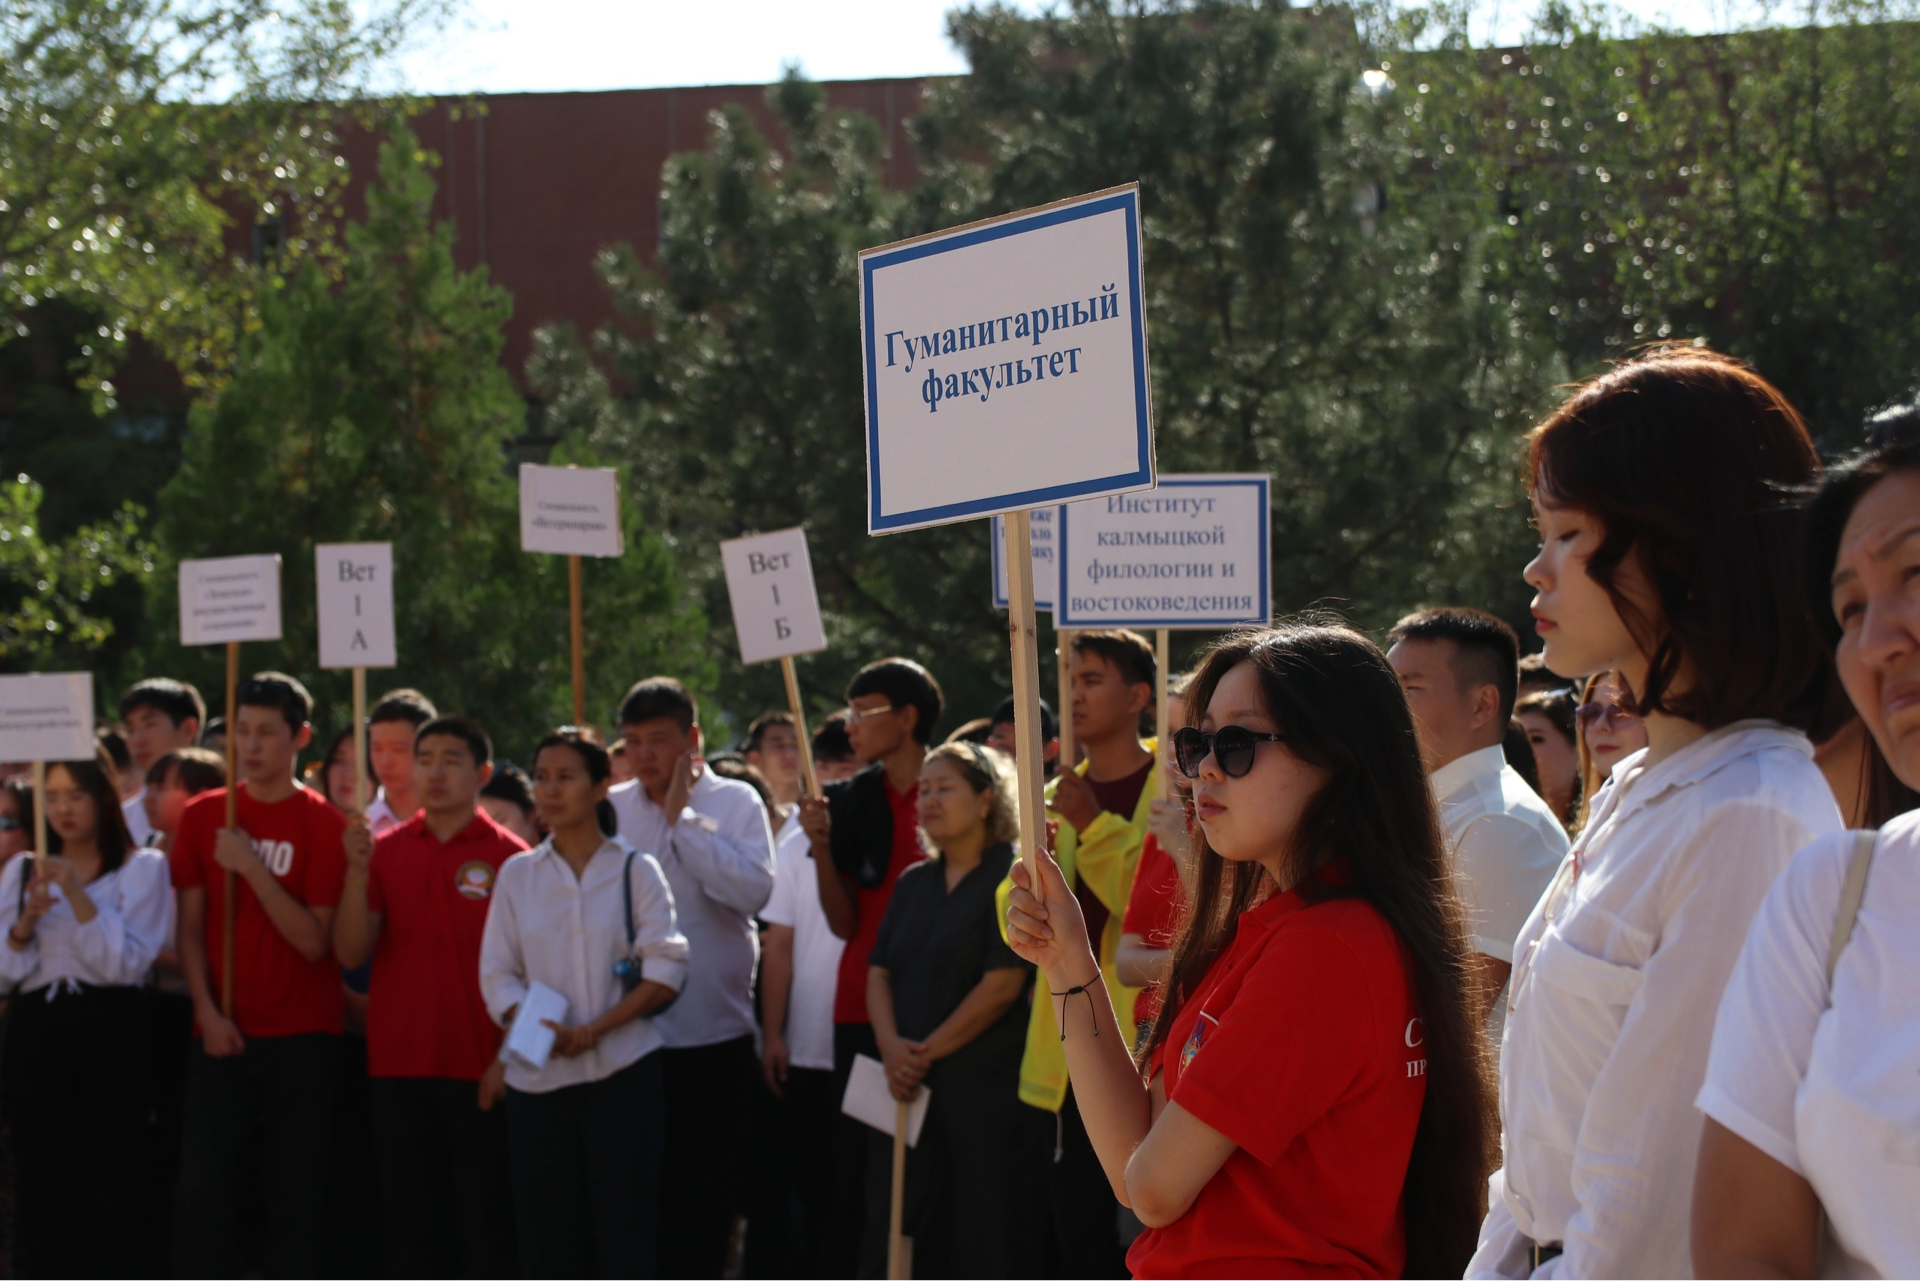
{"x": 1700, "y": 759}
{"x": 1462, "y": 770}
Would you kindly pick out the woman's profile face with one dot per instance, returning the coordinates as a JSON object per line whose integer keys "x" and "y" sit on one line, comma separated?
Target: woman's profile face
{"x": 563, "y": 790}
{"x": 949, "y": 807}
{"x": 1876, "y": 601}
{"x": 1251, "y": 818}
{"x": 1556, "y": 756}
{"x": 1579, "y": 627}
{"x": 71, "y": 810}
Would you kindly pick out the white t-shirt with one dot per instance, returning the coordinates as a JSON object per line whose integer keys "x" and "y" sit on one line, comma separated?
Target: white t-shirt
{"x": 816, "y": 949}
{"x": 1828, "y": 1090}
{"x": 135, "y": 810}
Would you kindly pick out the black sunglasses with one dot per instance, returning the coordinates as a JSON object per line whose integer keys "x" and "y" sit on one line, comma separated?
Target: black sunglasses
{"x": 1232, "y": 745}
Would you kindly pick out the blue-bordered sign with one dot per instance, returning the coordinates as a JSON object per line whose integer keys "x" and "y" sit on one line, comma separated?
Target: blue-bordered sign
{"x": 1006, "y": 364}
{"x": 1046, "y": 570}
{"x": 1192, "y": 553}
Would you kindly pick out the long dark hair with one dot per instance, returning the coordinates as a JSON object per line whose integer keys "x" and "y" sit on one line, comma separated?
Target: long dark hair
{"x": 1337, "y": 699}
{"x": 96, "y": 778}
{"x": 593, "y": 754}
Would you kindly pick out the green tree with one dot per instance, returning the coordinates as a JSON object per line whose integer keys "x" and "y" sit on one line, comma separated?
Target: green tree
{"x": 51, "y": 592}
{"x": 375, "y": 410}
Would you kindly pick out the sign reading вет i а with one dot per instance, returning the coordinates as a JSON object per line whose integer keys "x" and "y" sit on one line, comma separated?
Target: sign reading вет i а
{"x": 233, "y": 598}
{"x": 776, "y": 613}
{"x": 1192, "y": 553}
{"x": 1006, "y": 364}
{"x": 571, "y": 511}
{"x": 47, "y": 716}
{"x": 355, "y": 587}
{"x": 1046, "y": 574}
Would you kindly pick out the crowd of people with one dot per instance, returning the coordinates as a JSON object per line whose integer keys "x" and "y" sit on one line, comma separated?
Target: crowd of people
{"x": 1430, "y": 959}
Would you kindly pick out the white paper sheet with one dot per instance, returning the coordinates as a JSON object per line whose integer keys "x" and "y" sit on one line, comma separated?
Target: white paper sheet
{"x": 869, "y": 1101}
{"x": 530, "y": 1040}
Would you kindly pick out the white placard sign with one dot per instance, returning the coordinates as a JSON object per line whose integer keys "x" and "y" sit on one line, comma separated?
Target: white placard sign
{"x": 47, "y": 716}
{"x": 1006, "y": 364}
{"x": 355, "y": 586}
{"x": 776, "y": 613}
{"x": 571, "y": 511}
{"x": 1193, "y": 553}
{"x": 1046, "y": 574}
{"x": 233, "y": 598}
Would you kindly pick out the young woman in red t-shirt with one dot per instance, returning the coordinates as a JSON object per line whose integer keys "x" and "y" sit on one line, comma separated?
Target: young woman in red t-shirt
{"x": 1313, "y": 1098}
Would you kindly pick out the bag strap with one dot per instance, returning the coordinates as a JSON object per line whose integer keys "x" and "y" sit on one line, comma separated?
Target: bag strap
{"x": 1850, "y": 896}
{"x": 626, "y": 881}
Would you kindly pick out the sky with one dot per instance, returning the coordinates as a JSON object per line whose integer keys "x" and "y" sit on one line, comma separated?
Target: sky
{"x": 517, "y": 46}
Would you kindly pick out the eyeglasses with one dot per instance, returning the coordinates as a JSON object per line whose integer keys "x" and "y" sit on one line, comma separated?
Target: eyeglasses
{"x": 867, "y": 713}
{"x": 1232, "y": 746}
{"x": 1605, "y": 715}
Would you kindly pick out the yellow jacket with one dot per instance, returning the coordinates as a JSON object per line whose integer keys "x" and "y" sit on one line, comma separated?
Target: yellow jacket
{"x": 1105, "y": 856}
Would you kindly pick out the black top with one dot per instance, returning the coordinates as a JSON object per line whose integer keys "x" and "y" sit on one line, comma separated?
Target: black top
{"x": 936, "y": 946}
{"x": 862, "y": 835}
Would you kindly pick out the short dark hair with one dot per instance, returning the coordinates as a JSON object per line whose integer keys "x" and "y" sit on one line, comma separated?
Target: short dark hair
{"x": 1686, "y": 457}
{"x": 1486, "y": 651}
{"x": 905, "y": 684}
{"x": 830, "y": 741}
{"x": 1128, "y": 651}
{"x": 1537, "y": 678}
{"x": 738, "y": 768}
{"x": 510, "y": 783}
{"x": 765, "y": 721}
{"x": 1049, "y": 723}
{"x": 657, "y": 697}
{"x": 460, "y": 727}
{"x": 200, "y": 770}
{"x": 280, "y": 692}
{"x": 974, "y": 731}
{"x": 116, "y": 746}
{"x": 95, "y": 777}
{"x": 408, "y": 705}
{"x": 176, "y": 700}
{"x": 1893, "y": 446}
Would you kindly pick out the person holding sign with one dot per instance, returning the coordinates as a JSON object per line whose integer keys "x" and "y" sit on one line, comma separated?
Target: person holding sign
{"x": 261, "y": 1084}
{"x": 83, "y": 927}
{"x": 1315, "y": 1099}
{"x": 160, "y": 716}
{"x": 585, "y": 921}
{"x": 416, "y": 903}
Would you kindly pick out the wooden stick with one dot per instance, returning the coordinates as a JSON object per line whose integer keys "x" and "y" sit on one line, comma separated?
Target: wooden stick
{"x": 1163, "y": 731}
{"x": 800, "y": 726}
{"x": 1063, "y": 653}
{"x": 360, "y": 797}
{"x": 896, "y": 1261}
{"x": 40, "y": 809}
{"x": 233, "y": 820}
{"x": 1029, "y": 766}
{"x": 579, "y": 647}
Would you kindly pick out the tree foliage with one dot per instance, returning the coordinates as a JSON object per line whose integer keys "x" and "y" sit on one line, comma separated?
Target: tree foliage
{"x": 51, "y": 592}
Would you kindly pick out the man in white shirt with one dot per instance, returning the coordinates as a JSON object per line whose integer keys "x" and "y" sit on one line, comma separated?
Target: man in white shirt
{"x": 711, "y": 837}
{"x": 1460, "y": 668}
{"x": 391, "y": 725}
{"x": 160, "y": 716}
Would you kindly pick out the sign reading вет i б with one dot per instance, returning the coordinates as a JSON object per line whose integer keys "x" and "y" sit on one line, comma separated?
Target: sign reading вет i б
{"x": 571, "y": 511}
{"x": 776, "y": 613}
{"x": 232, "y": 598}
{"x": 47, "y": 716}
{"x": 1006, "y": 364}
{"x": 355, "y": 587}
{"x": 1192, "y": 553}
{"x": 1046, "y": 574}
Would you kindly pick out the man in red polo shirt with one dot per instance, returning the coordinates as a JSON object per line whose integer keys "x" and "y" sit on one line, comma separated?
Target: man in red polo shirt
{"x": 260, "y": 1086}
{"x": 416, "y": 900}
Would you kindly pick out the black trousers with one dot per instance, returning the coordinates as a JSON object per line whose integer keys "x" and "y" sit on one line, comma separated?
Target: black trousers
{"x": 77, "y": 1074}
{"x": 709, "y": 1092}
{"x": 446, "y": 1207}
{"x": 170, "y": 1033}
{"x": 1085, "y": 1213}
{"x": 792, "y": 1209}
{"x": 586, "y": 1174}
{"x": 849, "y": 1209}
{"x": 258, "y": 1126}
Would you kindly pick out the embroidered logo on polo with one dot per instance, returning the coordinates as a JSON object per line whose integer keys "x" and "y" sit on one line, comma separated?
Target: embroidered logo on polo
{"x": 1202, "y": 1029}
{"x": 1415, "y": 1037}
{"x": 474, "y": 880}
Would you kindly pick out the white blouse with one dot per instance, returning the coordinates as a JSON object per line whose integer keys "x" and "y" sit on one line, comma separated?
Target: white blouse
{"x": 1826, "y": 1086}
{"x": 1617, "y": 977}
{"x": 546, "y": 925}
{"x": 132, "y": 918}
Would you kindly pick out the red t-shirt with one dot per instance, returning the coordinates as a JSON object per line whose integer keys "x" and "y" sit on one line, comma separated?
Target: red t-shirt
{"x": 850, "y": 993}
{"x": 425, "y": 1016}
{"x": 1153, "y": 909}
{"x": 276, "y": 991}
{"x": 1303, "y": 1046}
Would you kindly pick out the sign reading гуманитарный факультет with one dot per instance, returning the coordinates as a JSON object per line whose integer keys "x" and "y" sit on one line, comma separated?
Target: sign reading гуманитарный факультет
{"x": 1192, "y": 553}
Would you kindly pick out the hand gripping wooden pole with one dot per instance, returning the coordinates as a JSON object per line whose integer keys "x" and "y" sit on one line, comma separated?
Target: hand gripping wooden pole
{"x": 1063, "y": 691}
{"x": 233, "y": 820}
{"x": 800, "y": 726}
{"x": 579, "y": 642}
{"x": 1029, "y": 763}
{"x": 360, "y": 797}
{"x": 1163, "y": 730}
{"x": 896, "y": 1243}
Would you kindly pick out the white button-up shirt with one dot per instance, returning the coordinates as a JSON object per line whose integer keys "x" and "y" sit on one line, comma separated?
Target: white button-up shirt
{"x": 133, "y": 914}
{"x": 380, "y": 815}
{"x": 1619, "y": 974}
{"x": 134, "y": 810}
{"x": 545, "y": 925}
{"x": 719, "y": 860}
{"x": 1506, "y": 844}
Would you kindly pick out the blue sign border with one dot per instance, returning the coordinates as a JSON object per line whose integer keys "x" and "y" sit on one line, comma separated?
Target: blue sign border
{"x": 1265, "y": 597}
{"x": 1125, "y": 201}
{"x": 997, "y": 548}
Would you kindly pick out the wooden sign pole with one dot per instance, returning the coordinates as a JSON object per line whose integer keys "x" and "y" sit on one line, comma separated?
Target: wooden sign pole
{"x": 1163, "y": 730}
{"x": 1029, "y": 762}
{"x": 233, "y": 820}
{"x": 360, "y": 797}
{"x": 579, "y": 650}
{"x": 40, "y": 808}
{"x": 800, "y": 726}
{"x": 896, "y": 1246}
{"x": 1063, "y": 653}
